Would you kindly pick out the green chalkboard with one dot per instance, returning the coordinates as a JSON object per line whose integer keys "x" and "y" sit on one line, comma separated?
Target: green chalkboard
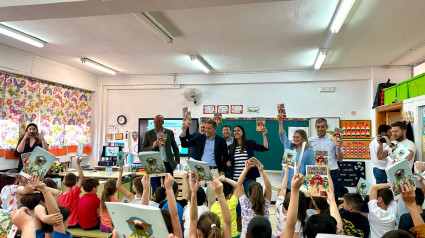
{"x": 271, "y": 159}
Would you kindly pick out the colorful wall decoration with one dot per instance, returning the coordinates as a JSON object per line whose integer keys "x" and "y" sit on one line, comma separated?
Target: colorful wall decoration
{"x": 53, "y": 107}
{"x": 356, "y": 129}
{"x": 356, "y": 149}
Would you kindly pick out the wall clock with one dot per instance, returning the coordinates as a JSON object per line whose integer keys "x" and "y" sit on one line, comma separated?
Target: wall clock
{"x": 121, "y": 119}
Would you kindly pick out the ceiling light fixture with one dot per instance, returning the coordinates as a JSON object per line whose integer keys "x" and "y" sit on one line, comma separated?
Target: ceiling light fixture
{"x": 156, "y": 26}
{"x": 98, "y": 66}
{"x": 342, "y": 13}
{"x": 201, "y": 64}
{"x": 8, "y": 31}
{"x": 320, "y": 58}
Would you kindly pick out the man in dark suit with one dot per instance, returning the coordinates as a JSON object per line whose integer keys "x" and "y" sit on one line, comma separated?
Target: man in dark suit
{"x": 210, "y": 148}
{"x": 150, "y": 143}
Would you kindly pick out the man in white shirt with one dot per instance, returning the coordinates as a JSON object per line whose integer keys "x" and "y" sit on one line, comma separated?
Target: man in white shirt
{"x": 322, "y": 142}
{"x": 398, "y": 131}
{"x": 379, "y": 164}
{"x": 382, "y": 210}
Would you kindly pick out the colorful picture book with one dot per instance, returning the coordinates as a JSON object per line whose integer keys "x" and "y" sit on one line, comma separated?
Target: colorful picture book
{"x": 317, "y": 180}
{"x": 289, "y": 157}
{"x": 121, "y": 158}
{"x": 135, "y": 220}
{"x": 80, "y": 149}
{"x": 38, "y": 162}
{"x": 217, "y": 118}
{"x": 399, "y": 174}
{"x": 7, "y": 229}
{"x": 261, "y": 123}
{"x": 399, "y": 154}
{"x": 363, "y": 187}
{"x": 187, "y": 116}
{"x": 161, "y": 139}
{"x": 321, "y": 157}
{"x": 153, "y": 163}
{"x": 281, "y": 110}
{"x": 200, "y": 170}
{"x": 337, "y": 134}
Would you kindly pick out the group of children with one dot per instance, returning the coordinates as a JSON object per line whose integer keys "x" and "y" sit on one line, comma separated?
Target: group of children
{"x": 44, "y": 211}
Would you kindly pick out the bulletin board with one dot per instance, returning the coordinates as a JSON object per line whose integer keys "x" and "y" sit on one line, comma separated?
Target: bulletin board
{"x": 350, "y": 173}
{"x": 356, "y": 149}
{"x": 356, "y": 129}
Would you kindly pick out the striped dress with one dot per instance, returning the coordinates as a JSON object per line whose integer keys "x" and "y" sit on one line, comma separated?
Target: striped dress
{"x": 240, "y": 159}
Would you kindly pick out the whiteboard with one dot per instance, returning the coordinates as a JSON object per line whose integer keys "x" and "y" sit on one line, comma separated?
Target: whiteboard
{"x": 333, "y": 122}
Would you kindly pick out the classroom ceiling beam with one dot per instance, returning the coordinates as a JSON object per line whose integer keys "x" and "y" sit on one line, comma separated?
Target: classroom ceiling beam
{"x": 72, "y": 9}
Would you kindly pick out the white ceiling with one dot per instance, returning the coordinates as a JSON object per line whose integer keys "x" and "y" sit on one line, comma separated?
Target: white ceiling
{"x": 232, "y": 37}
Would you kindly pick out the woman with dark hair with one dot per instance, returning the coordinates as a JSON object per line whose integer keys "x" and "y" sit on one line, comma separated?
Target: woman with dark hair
{"x": 241, "y": 150}
{"x": 28, "y": 141}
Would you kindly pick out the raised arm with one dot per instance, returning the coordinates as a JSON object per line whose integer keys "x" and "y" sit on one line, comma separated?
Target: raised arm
{"x": 408, "y": 196}
{"x": 146, "y": 193}
{"x": 282, "y": 136}
{"x": 291, "y": 219}
{"x": 43, "y": 142}
{"x": 419, "y": 169}
{"x": 265, "y": 142}
{"x": 268, "y": 185}
{"x": 284, "y": 183}
{"x": 129, "y": 195}
{"x": 241, "y": 190}
{"x": 330, "y": 181}
{"x": 334, "y": 210}
{"x": 186, "y": 183}
{"x": 21, "y": 144}
{"x": 238, "y": 189}
{"x": 193, "y": 208}
{"x": 373, "y": 193}
{"x": 80, "y": 172}
{"x": 172, "y": 205}
{"x": 24, "y": 221}
{"x": 217, "y": 186}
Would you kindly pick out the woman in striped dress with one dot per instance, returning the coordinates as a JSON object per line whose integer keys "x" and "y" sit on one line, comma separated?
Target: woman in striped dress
{"x": 241, "y": 150}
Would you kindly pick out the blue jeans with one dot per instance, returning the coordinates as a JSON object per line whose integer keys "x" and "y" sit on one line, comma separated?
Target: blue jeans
{"x": 380, "y": 175}
{"x": 156, "y": 181}
{"x": 335, "y": 175}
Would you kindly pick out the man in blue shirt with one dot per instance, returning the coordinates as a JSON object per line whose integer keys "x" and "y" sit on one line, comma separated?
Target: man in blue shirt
{"x": 322, "y": 142}
{"x": 210, "y": 148}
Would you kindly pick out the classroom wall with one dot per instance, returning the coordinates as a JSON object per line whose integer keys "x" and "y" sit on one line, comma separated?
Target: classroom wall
{"x": 23, "y": 63}
{"x": 355, "y": 91}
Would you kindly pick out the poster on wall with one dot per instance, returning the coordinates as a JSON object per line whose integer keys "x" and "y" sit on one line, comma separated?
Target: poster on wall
{"x": 236, "y": 109}
{"x": 333, "y": 122}
{"x": 355, "y": 149}
{"x": 112, "y": 128}
{"x": 209, "y": 109}
{"x": 253, "y": 109}
{"x": 350, "y": 173}
{"x": 356, "y": 129}
{"x": 223, "y": 109}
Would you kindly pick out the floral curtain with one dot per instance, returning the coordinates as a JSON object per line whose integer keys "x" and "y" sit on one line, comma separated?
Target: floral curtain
{"x": 53, "y": 107}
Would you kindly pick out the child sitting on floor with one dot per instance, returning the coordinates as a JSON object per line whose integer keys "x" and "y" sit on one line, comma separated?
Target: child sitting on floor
{"x": 108, "y": 195}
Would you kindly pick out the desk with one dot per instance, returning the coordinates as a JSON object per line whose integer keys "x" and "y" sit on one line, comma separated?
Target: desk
{"x": 99, "y": 174}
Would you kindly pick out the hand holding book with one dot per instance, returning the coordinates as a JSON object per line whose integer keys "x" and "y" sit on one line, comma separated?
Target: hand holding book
{"x": 408, "y": 195}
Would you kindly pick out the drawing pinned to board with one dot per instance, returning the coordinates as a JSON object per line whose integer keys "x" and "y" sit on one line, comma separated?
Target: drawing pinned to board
{"x": 236, "y": 109}
{"x": 253, "y": 110}
{"x": 223, "y": 109}
{"x": 209, "y": 109}
{"x": 112, "y": 128}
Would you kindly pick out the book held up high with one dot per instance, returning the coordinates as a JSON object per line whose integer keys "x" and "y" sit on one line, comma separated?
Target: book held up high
{"x": 261, "y": 123}
{"x": 399, "y": 174}
{"x": 317, "y": 180}
{"x": 363, "y": 187}
{"x": 39, "y": 162}
{"x": 289, "y": 157}
{"x": 153, "y": 163}
{"x": 200, "y": 169}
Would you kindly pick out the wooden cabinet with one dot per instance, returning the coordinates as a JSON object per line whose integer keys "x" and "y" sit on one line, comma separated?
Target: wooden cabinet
{"x": 388, "y": 114}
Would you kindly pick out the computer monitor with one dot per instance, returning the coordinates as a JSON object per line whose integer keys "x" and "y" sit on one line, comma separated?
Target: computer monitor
{"x": 110, "y": 151}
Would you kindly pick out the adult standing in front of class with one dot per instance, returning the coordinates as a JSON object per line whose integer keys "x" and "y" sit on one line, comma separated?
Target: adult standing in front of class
{"x": 299, "y": 137}
{"x": 28, "y": 141}
{"x": 322, "y": 142}
{"x": 150, "y": 143}
{"x": 379, "y": 161}
{"x": 241, "y": 150}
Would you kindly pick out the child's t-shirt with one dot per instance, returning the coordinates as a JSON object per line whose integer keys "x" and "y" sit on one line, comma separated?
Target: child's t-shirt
{"x": 105, "y": 218}
{"x": 381, "y": 221}
{"x": 232, "y": 203}
{"x": 87, "y": 208}
{"x": 281, "y": 218}
{"x": 248, "y": 213}
{"x": 186, "y": 218}
{"x": 70, "y": 200}
{"x": 9, "y": 197}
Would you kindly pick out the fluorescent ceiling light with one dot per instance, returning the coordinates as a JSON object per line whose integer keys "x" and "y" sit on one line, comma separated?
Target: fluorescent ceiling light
{"x": 200, "y": 64}
{"x": 156, "y": 26}
{"x": 98, "y": 66}
{"x": 8, "y": 31}
{"x": 320, "y": 58}
{"x": 342, "y": 13}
